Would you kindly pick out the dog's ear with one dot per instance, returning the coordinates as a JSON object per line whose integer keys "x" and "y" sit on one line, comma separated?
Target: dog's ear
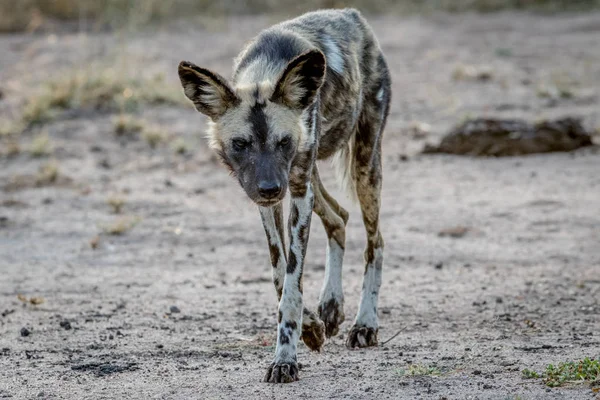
{"x": 210, "y": 92}
{"x": 301, "y": 79}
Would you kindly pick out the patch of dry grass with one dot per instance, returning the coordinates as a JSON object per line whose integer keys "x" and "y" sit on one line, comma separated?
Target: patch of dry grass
{"x": 121, "y": 226}
{"x": 154, "y": 135}
{"x": 116, "y": 203}
{"x": 104, "y": 89}
{"x": 463, "y": 72}
{"x": 41, "y": 145}
{"x": 48, "y": 173}
{"x": 10, "y": 147}
{"x": 180, "y": 146}
{"x": 34, "y": 300}
{"x": 125, "y": 125}
{"x": 10, "y": 127}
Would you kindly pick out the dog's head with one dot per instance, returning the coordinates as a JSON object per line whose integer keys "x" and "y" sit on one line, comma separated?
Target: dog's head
{"x": 257, "y": 129}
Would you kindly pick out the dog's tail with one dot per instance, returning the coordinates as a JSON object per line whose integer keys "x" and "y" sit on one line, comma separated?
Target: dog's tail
{"x": 343, "y": 161}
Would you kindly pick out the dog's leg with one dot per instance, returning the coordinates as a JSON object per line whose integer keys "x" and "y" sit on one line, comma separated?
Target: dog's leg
{"x": 272, "y": 219}
{"x": 367, "y": 178}
{"x": 285, "y": 366}
{"x": 313, "y": 330}
{"x": 334, "y": 218}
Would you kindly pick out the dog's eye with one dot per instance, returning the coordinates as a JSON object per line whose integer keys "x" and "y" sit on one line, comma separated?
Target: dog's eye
{"x": 285, "y": 141}
{"x": 240, "y": 144}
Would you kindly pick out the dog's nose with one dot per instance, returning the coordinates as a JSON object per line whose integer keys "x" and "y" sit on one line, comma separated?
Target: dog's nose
{"x": 269, "y": 189}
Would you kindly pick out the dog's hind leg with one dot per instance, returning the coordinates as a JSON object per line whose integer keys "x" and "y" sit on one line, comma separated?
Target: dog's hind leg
{"x": 334, "y": 218}
{"x": 368, "y": 178}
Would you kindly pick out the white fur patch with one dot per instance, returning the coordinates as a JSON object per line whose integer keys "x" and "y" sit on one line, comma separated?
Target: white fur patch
{"x": 367, "y": 310}
{"x": 380, "y": 94}
{"x": 333, "y": 55}
{"x": 332, "y": 284}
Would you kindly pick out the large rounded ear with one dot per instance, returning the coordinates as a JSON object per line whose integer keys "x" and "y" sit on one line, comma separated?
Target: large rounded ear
{"x": 298, "y": 84}
{"x": 209, "y": 91}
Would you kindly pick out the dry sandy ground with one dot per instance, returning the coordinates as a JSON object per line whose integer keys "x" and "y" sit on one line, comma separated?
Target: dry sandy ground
{"x": 520, "y": 290}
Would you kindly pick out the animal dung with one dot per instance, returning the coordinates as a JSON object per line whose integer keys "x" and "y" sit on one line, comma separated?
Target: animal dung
{"x": 502, "y": 138}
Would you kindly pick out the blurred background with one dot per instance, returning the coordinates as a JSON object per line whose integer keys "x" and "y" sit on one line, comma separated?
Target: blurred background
{"x": 127, "y": 250}
{"x": 30, "y": 14}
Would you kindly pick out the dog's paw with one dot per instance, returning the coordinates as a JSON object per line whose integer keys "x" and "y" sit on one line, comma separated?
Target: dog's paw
{"x": 313, "y": 331}
{"x": 331, "y": 313}
{"x": 362, "y": 336}
{"x": 284, "y": 372}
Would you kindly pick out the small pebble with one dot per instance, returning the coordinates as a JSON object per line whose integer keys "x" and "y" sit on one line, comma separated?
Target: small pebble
{"x": 25, "y": 332}
{"x": 65, "y": 324}
{"x": 175, "y": 310}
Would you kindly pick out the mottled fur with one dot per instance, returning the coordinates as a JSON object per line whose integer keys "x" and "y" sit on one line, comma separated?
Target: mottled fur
{"x": 305, "y": 89}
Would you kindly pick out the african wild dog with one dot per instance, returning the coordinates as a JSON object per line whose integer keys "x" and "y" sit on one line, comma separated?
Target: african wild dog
{"x": 302, "y": 90}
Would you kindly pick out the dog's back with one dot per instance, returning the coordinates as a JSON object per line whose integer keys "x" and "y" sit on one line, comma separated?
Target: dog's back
{"x": 356, "y": 69}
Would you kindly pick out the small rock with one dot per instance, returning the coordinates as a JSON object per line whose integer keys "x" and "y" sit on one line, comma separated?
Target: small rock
{"x": 477, "y": 372}
{"x": 104, "y": 163}
{"x": 25, "y": 332}
{"x": 439, "y": 265}
{"x": 175, "y": 310}
{"x": 65, "y": 324}
{"x": 454, "y": 232}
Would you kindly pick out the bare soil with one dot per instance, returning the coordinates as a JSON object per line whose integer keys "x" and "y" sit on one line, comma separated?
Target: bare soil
{"x": 491, "y": 265}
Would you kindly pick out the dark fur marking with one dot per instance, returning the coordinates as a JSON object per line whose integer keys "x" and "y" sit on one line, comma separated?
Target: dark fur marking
{"x": 303, "y": 235}
{"x": 294, "y": 216}
{"x": 291, "y": 325}
{"x": 299, "y": 182}
{"x": 279, "y": 224}
{"x": 291, "y": 267}
{"x": 332, "y": 315}
{"x": 279, "y": 317}
{"x": 258, "y": 121}
{"x": 274, "y": 251}
{"x": 300, "y": 286}
{"x": 313, "y": 333}
{"x": 283, "y": 337}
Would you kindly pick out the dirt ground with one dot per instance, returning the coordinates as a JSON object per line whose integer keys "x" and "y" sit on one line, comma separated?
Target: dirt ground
{"x": 181, "y": 306}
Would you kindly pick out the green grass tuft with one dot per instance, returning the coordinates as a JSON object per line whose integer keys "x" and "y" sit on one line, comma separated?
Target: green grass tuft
{"x": 586, "y": 370}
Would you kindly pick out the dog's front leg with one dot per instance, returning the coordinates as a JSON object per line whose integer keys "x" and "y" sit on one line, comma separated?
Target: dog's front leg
{"x": 289, "y": 328}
